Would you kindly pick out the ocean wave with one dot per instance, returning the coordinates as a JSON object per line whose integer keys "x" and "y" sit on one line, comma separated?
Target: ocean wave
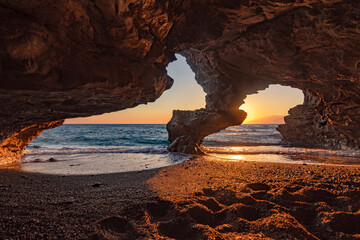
{"x": 66, "y": 150}
{"x": 230, "y": 150}
{"x": 153, "y": 141}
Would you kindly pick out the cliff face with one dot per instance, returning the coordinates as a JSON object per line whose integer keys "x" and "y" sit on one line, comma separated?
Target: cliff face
{"x": 305, "y": 126}
{"x": 62, "y": 59}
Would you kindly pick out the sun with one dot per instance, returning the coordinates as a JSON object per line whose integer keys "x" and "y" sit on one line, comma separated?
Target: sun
{"x": 250, "y": 112}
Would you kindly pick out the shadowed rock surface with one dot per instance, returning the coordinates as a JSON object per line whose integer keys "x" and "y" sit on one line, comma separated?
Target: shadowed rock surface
{"x": 319, "y": 132}
{"x": 65, "y": 59}
{"x": 197, "y": 125}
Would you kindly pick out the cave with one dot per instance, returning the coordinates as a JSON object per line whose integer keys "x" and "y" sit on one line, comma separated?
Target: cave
{"x": 110, "y": 139}
{"x": 67, "y": 59}
{"x": 77, "y": 59}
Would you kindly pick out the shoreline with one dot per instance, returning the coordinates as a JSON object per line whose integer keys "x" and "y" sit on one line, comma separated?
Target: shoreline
{"x": 108, "y": 163}
{"x": 238, "y": 199}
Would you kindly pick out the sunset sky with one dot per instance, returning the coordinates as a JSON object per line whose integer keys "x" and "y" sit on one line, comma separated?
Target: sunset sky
{"x": 186, "y": 94}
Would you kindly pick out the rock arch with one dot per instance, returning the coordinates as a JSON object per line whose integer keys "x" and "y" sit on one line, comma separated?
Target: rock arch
{"x": 63, "y": 59}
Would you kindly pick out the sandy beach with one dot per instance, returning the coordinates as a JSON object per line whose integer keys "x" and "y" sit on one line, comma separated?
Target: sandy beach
{"x": 201, "y": 198}
{"x": 39, "y": 206}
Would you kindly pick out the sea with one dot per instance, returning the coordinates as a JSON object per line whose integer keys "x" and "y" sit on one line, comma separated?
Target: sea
{"x": 108, "y": 148}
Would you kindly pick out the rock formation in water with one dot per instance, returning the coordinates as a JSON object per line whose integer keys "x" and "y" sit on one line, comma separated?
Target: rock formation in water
{"x": 187, "y": 129}
{"x": 63, "y": 59}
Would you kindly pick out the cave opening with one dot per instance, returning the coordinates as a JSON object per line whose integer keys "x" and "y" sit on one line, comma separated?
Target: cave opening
{"x": 102, "y": 143}
{"x": 185, "y": 94}
{"x": 67, "y": 59}
{"x": 271, "y": 105}
{"x": 257, "y": 137}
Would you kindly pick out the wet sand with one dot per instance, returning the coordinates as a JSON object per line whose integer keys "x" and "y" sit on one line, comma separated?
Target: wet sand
{"x": 198, "y": 199}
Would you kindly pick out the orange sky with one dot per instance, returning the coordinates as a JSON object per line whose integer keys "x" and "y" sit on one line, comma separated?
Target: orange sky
{"x": 272, "y": 102}
{"x": 186, "y": 94}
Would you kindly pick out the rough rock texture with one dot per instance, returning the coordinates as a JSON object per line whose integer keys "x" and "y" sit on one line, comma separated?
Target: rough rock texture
{"x": 305, "y": 126}
{"x": 310, "y": 45}
{"x": 14, "y": 146}
{"x": 62, "y": 59}
{"x": 197, "y": 125}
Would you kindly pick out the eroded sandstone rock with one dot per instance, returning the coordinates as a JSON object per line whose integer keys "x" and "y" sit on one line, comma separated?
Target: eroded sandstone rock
{"x": 187, "y": 129}
{"x": 13, "y": 147}
{"x": 310, "y": 46}
{"x": 305, "y": 126}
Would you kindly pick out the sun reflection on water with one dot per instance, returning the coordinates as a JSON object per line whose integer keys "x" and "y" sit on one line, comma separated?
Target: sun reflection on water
{"x": 234, "y": 157}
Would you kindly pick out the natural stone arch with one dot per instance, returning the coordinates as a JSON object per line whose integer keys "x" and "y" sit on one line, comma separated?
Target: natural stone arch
{"x": 63, "y": 59}
{"x": 291, "y": 51}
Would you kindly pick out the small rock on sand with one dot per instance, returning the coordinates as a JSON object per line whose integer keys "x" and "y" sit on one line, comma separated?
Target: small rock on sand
{"x": 96, "y": 185}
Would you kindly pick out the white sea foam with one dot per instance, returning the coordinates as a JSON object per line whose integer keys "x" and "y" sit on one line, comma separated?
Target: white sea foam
{"x": 95, "y": 150}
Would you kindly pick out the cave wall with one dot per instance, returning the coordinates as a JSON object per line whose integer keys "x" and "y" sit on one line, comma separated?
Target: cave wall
{"x": 313, "y": 47}
{"x": 13, "y": 147}
{"x": 63, "y": 59}
{"x": 304, "y": 126}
